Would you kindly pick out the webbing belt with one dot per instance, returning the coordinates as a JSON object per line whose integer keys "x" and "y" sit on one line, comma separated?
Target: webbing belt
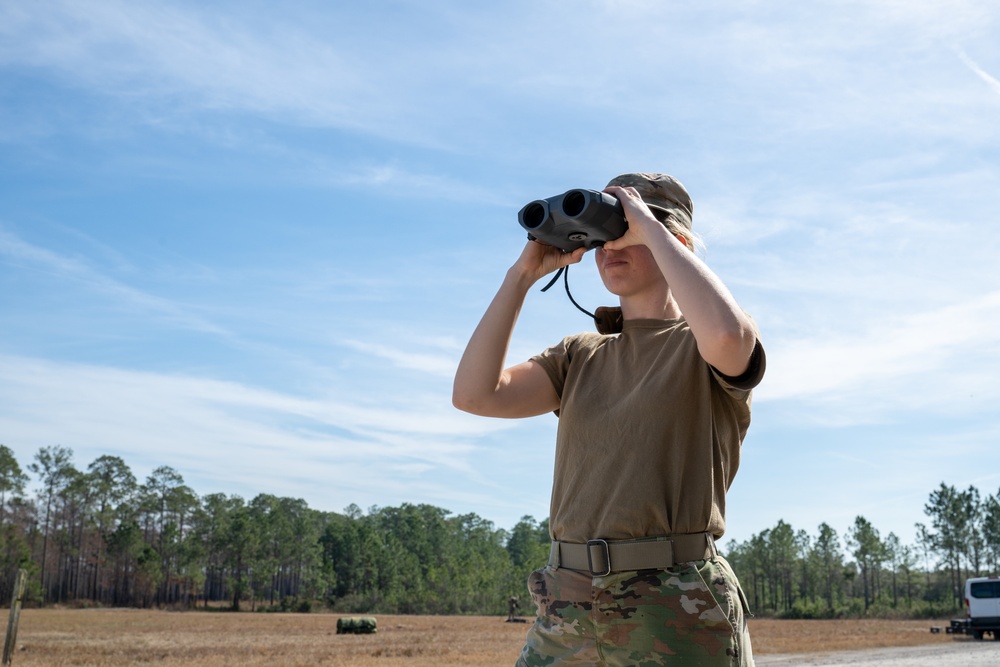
{"x": 602, "y": 557}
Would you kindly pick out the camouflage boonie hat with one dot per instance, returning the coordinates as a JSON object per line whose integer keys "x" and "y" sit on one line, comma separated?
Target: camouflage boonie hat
{"x": 661, "y": 193}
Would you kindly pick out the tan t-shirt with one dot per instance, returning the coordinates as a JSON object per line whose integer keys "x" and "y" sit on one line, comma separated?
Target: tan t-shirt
{"x": 649, "y": 433}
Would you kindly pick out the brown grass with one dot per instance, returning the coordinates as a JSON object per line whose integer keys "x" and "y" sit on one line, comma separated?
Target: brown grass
{"x": 116, "y": 638}
{"x": 821, "y": 636}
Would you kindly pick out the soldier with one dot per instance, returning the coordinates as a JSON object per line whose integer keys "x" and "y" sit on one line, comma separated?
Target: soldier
{"x": 651, "y": 422}
{"x": 512, "y": 607}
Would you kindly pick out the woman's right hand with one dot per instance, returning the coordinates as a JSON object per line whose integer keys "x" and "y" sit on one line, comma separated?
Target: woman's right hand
{"x": 539, "y": 259}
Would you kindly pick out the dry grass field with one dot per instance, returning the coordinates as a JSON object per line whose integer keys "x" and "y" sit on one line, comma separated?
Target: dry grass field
{"x": 118, "y": 637}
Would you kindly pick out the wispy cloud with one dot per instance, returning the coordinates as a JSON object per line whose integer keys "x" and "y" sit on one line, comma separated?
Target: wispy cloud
{"x": 935, "y": 361}
{"x": 173, "y": 50}
{"x": 167, "y": 61}
{"x": 982, "y": 74}
{"x": 74, "y": 271}
{"x": 245, "y": 437}
{"x": 435, "y": 364}
{"x": 187, "y": 64}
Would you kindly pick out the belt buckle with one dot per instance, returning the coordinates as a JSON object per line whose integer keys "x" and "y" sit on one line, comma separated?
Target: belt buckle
{"x": 603, "y": 545}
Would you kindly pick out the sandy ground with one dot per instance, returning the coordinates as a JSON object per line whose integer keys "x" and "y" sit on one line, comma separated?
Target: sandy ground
{"x": 131, "y": 637}
{"x": 961, "y": 653}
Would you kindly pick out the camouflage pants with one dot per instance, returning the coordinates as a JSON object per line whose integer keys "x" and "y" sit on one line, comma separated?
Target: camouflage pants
{"x": 691, "y": 615}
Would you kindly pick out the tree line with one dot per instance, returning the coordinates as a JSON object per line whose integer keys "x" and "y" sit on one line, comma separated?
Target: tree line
{"x": 790, "y": 573}
{"x": 98, "y": 536}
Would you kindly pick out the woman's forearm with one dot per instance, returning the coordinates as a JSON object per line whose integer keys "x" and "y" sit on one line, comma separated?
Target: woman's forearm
{"x": 480, "y": 371}
{"x": 724, "y": 333}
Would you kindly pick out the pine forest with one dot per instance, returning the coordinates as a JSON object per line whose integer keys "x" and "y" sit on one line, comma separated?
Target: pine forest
{"x": 99, "y": 537}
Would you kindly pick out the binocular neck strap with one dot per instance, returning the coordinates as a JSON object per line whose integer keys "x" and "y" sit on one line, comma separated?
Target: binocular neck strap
{"x": 608, "y": 319}
{"x": 564, "y": 272}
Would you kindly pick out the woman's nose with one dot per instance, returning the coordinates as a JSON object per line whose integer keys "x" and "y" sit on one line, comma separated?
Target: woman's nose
{"x": 602, "y": 251}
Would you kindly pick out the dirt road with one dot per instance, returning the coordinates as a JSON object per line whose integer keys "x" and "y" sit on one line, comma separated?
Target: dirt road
{"x": 956, "y": 654}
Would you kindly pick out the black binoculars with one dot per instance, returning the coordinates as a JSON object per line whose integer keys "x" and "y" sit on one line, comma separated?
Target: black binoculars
{"x": 574, "y": 219}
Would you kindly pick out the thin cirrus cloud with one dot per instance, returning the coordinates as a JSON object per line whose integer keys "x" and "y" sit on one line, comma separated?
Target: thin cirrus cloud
{"x": 180, "y": 60}
{"x": 933, "y": 360}
{"x": 77, "y": 272}
{"x": 173, "y": 51}
{"x": 205, "y": 422}
{"x": 441, "y": 366}
{"x": 992, "y": 82}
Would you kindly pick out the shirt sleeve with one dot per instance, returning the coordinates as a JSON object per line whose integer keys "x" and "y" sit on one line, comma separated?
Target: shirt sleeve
{"x": 555, "y": 361}
{"x": 751, "y": 377}
{"x": 754, "y": 373}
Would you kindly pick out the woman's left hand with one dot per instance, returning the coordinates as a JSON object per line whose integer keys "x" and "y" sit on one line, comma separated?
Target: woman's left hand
{"x": 641, "y": 221}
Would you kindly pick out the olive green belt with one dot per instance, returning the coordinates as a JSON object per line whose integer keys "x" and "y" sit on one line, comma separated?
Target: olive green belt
{"x": 602, "y": 557}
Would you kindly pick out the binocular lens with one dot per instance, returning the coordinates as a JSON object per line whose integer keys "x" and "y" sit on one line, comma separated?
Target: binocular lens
{"x": 573, "y": 203}
{"x": 534, "y": 215}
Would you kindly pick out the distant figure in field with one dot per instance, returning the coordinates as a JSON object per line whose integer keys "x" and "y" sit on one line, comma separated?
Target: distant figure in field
{"x": 512, "y": 607}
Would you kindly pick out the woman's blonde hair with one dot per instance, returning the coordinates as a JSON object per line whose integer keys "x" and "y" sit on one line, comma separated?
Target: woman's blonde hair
{"x": 676, "y": 227}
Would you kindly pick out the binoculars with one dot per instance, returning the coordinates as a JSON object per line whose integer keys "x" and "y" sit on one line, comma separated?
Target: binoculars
{"x": 574, "y": 219}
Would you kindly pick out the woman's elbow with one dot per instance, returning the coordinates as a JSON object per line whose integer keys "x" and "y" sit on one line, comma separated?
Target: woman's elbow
{"x": 731, "y": 351}
{"x": 467, "y": 402}
{"x": 460, "y": 402}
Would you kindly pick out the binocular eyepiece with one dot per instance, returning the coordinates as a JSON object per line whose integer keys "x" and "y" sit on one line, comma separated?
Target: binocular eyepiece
{"x": 574, "y": 219}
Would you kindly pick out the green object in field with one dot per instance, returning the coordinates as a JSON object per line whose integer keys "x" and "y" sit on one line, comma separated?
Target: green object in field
{"x": 357, "y": 625}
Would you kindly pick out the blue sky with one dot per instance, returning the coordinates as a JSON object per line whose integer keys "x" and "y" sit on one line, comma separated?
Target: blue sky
{"x": 249, "y": 242}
